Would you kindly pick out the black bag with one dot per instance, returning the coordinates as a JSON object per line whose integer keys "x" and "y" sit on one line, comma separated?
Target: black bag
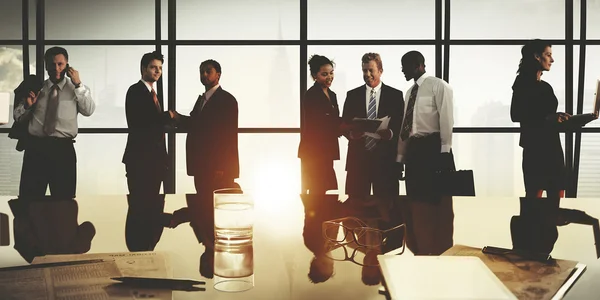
{"x": 20, "y": 130}
{"x": 455, "y": 183}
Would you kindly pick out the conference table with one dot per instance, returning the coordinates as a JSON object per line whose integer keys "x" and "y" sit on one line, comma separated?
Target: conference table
{"x": 286, "y": 230}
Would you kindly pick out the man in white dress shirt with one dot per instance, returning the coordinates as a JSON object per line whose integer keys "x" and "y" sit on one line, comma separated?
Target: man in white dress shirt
{"x": 51, "y": 115}
{"x": 424, "y": 146}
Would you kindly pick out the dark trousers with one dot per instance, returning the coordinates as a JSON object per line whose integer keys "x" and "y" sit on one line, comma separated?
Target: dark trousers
{"x": 372, "y": 171}
{"x": 208, "y": 183}
{"x": 145, "y": 180}
{"x": 421, "y": 161}
{"x": 49, "y": 162}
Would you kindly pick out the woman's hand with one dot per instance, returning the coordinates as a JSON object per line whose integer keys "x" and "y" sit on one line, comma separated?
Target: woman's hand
{"x": 562, "y": 117}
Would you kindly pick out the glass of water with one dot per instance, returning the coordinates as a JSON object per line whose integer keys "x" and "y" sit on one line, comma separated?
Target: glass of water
{"x": 234, "y": 216}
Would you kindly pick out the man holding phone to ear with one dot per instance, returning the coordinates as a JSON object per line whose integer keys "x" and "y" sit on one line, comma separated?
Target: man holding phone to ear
{"x": 49, "y": 157}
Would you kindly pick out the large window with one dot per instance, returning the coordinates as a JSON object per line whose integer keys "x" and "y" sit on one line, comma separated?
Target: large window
{"x": 263, "y": 47}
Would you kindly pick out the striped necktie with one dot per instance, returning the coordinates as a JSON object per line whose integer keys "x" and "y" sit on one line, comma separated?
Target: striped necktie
{"x": 371, "y": 114}
{"x": 408, "y": 118}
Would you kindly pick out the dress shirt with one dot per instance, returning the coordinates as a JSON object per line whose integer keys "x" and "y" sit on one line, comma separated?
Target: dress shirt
{"x": 377, "y": 90}
{"x": 71, "y": 101}
{"x": 149, "y": 86}
{"x": 433, "y": 112}
{"x": 209, "y": 94}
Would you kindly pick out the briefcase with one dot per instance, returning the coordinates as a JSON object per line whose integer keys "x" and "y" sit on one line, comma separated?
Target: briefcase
{"x": 455, "y": 183}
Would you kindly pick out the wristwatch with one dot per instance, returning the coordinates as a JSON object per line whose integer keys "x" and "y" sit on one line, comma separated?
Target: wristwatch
{"x": 78, "y": 85}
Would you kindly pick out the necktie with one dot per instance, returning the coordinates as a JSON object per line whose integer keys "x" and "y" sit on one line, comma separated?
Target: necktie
{"x": 408, "y": 118}
{"x": 155, "y": 98}
{"x": 51, "y": 111}
{"x": 371, "y": 114}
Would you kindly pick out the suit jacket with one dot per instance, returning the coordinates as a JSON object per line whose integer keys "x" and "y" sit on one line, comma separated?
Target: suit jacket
{"x": 391, "y": 103}
{"x": 212, "y": 139}
{"x": 320, "y": 133}
{"x": 145, "y": 141}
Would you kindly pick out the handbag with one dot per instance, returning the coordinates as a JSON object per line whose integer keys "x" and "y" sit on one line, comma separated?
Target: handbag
{"x": 455, "y": 183}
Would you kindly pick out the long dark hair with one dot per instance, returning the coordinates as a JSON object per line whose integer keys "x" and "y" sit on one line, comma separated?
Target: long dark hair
{"x": 529, "y": 66}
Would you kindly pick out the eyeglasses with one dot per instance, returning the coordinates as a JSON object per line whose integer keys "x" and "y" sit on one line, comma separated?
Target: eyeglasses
{"x": 339, "y": 252}
{"x": 357, "y": 231}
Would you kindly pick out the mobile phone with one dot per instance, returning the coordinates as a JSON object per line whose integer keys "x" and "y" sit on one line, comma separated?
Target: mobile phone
{"x": 67, "y": 70}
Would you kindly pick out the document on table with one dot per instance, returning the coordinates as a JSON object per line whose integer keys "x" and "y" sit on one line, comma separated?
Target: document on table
{"x": 131, "y": 264}
{"x": 73, "y": 281}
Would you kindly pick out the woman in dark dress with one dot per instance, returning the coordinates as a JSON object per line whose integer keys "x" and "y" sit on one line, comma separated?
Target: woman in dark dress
{"x": 534, "y": 106}
{"x": 321, "y": 128}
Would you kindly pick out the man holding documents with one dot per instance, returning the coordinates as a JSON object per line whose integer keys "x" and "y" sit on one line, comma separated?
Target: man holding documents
{"x": 371, "y": 157}
{"x": 424, "y": 147}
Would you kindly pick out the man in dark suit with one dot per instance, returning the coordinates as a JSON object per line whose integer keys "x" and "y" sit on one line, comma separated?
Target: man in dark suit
{"x": 145, "y": 155}
{"x": 372, "y": 161}
{"x": 212, "y": 140}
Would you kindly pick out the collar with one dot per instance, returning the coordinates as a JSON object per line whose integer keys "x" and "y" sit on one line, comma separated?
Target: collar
{"x": 210, "y": 92}
{"x": 149, "y": 85}
{"x": 376, "y": 88}
{"x": 419, "y": 81}
{"x": 60, "y": 84}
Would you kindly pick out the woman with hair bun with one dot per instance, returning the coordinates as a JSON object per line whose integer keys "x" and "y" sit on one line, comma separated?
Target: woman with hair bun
{"x": 322, "y": 127}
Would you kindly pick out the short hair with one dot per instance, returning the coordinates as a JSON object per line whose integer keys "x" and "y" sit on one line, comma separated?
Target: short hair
{"x": 148, "y": 57}
{"x": 316, "y": 62}
{"x": 213, "y": 63}
{"x": 54, "y": 51}
{"x": 367, "y": 57}
{"x": 528, "y": 63}
{"x": 414, "y": 57}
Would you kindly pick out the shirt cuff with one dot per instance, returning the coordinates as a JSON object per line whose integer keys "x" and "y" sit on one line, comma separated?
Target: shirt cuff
{"x": 446, "y": 148}
{"x": 399, "y": 158}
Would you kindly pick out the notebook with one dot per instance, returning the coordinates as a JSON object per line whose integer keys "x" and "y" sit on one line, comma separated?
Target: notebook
{"x": 440, "y": 277}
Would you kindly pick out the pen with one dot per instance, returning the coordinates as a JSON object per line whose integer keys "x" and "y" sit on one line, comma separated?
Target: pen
{"x": 55, "y": 264}
{"x": 157, "y": 282}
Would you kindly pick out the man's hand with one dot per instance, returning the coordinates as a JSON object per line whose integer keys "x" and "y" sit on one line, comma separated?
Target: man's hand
{"x": 385, "y": 134}
{"x": 74, "y": 75}
{"x": 31, "y": 99}
{"x": 219, "y": 174}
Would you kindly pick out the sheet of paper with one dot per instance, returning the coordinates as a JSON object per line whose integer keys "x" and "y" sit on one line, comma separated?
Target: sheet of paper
{"x": 526, "y": 279}
{"x": 385, "y": 122}
{"x": 441, "y": 277}
{"x": 132, "y": 264}
{"x": 4, "y": 108}
{"x": 82, "y": 281}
